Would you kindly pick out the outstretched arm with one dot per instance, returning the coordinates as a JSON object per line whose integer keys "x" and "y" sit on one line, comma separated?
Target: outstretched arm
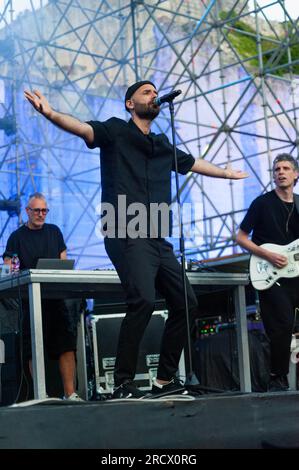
{"x": 63, "y": 121}
{"x": 209, "y": 169}
{"x": 274, "y": 258}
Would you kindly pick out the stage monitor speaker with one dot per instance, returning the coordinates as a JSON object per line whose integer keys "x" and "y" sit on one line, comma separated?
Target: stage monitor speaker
{"x": 216, "y": 360}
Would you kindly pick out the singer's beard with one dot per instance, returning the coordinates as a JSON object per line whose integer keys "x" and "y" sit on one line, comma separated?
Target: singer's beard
{"x": 146, "y": 111}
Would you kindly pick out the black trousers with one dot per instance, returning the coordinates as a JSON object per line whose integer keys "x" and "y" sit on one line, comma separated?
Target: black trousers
{"x": 278, "y": 306}
{"x": 60, "y": 319}
{"x": 144, "y": 266}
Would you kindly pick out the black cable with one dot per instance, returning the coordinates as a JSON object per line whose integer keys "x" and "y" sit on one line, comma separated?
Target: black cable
{"x": 20, "y": 321}
{"x": 231, "y": 338}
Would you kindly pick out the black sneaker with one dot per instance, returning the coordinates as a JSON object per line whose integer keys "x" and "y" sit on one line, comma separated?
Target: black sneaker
{"x": 174, "y": 387}
{"x": 278, "y": 383}
{"x": 128, "y": 390}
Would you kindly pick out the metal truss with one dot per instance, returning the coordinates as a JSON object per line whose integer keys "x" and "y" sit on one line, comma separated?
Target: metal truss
{"x": 236, "y": 69}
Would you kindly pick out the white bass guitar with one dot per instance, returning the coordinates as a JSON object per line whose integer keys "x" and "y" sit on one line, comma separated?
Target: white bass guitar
{"x": 263, "y": 274}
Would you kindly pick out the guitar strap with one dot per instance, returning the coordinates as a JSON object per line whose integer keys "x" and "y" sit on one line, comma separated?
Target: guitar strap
{"x": 296, "y": 200}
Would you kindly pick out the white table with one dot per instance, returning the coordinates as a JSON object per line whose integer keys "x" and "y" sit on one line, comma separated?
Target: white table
{"x": 37, "y": 284}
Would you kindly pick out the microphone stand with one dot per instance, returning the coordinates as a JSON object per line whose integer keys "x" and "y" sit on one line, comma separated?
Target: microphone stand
{"x": 190, "y": 376}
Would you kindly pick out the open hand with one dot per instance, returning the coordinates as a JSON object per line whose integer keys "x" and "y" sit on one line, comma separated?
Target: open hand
{"x": 39, "y": 102}
{"x": 234, "y": 174}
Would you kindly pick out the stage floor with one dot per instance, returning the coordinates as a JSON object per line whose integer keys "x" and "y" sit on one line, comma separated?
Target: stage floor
{"x": 231, "y": 421}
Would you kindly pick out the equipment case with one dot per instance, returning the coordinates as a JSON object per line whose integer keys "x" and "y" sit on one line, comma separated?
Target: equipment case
{"x": 105, "y": 333}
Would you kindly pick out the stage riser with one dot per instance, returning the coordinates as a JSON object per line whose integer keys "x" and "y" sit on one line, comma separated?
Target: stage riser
{"x": 249, "y": 421}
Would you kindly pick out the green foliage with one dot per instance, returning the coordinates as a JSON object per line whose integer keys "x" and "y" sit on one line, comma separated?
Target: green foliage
{"x": 246, "y": 46}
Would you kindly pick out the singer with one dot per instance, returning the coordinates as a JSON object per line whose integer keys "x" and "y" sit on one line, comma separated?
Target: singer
{"x": 137, "y": 163}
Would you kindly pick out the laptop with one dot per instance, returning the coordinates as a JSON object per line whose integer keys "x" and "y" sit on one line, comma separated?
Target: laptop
{"x": 53, "y": 263}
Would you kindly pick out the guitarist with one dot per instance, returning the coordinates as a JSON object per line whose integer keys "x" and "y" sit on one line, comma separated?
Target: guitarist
{"x": 274, "y": 218}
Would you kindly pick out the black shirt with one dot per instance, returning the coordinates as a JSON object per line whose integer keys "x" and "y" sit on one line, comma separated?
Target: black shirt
{"x": 267, "y": 217}
{"x": 30, "y": 245}
{"x": 134, "y": 164}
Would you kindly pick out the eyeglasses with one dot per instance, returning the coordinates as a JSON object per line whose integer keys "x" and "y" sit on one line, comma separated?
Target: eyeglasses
{"x": 38, "y": 210}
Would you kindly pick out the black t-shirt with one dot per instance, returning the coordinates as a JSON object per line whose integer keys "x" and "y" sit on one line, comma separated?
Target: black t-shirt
{"x": 135, "y": 165}
{"x": 30, "y": 245}
{"x": 268, "y": 218}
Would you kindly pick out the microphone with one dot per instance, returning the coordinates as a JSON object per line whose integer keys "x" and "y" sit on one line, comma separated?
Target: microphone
{"x": 167, "y": 98}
